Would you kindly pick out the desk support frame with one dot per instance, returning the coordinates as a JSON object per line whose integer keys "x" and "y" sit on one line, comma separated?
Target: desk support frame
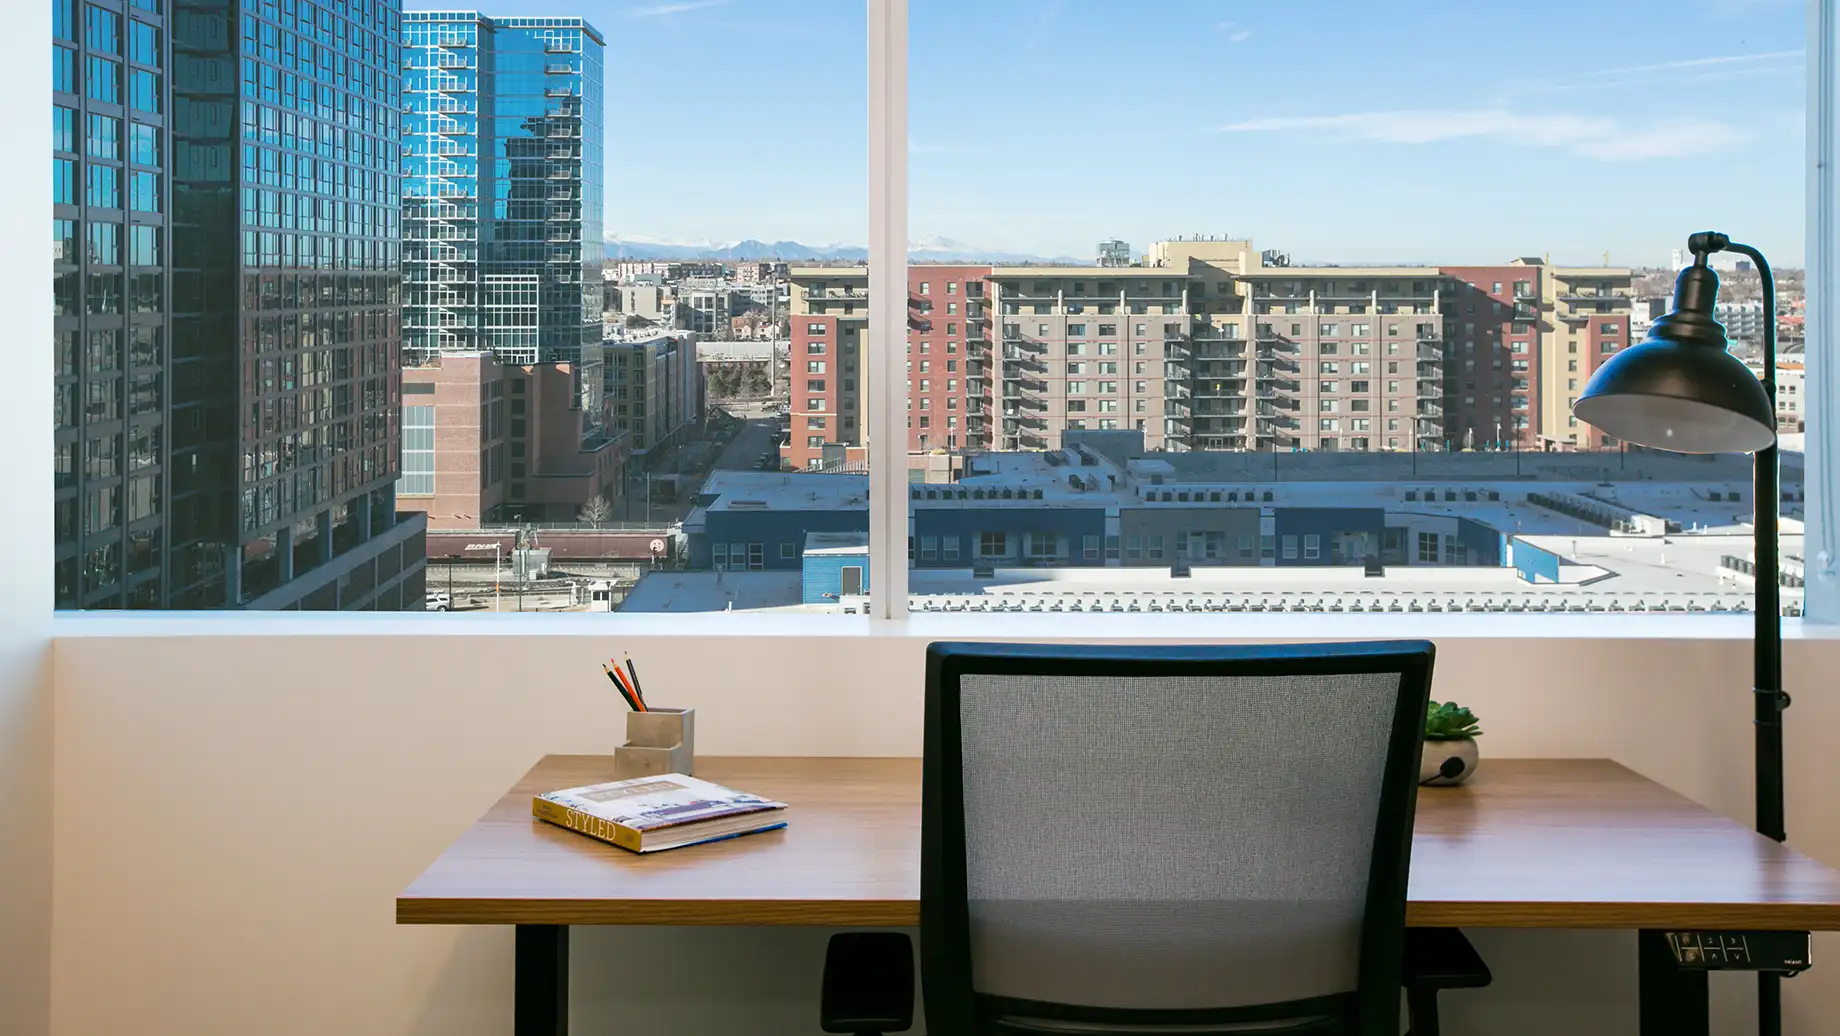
{"x": 1672, "y": 1001}
{"x": 542, "y": 984}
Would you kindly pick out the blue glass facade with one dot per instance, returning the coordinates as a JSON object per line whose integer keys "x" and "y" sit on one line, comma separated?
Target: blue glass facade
{"x": 502, "y": 204}
{"x": 230, "y": 195}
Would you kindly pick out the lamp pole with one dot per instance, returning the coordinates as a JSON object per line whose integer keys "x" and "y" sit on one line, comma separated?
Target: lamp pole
{"x": 1766, "y": 507}
{"x": 1767, "y": 689}
{"x": 497, "y": 551}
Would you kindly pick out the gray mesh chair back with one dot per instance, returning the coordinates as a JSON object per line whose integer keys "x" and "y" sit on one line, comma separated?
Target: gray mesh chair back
{"x": 1197, "y": 839}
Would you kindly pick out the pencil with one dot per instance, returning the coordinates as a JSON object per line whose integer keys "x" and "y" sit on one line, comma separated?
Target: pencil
{"x": 632, "y": 694}
{"x": 632, "y": 671}
{"x": 620, "y": 687}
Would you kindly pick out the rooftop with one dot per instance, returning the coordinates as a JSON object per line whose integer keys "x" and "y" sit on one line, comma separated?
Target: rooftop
{"x": 842, "y": 543}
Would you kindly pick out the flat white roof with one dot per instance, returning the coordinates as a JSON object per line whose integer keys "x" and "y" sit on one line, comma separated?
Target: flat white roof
{"x": 844, "y": 543}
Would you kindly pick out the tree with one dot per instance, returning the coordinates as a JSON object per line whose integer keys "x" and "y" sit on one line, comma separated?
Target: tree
{"x": 596, "y": 511}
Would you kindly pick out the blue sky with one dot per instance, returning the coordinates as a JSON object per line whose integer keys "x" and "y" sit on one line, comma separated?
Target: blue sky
{"x": 1454, "y": 131}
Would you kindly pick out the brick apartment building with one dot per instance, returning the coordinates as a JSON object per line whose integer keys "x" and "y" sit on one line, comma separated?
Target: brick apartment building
{"x": 1213, "y": 345}
{"x": 485, "y": 440}
{"x": 948, "y": 324}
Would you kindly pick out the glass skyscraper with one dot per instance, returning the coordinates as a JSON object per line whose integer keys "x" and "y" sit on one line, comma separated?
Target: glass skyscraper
{"x": 502, "y": 189}
{"x": 227, "y": 271}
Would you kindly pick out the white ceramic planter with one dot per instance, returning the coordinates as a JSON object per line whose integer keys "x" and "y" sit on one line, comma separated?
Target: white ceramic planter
{"x": 1438, "y": 753}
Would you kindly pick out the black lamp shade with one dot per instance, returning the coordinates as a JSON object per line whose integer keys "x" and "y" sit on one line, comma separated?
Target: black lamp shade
{"x": 1680, "y": 390}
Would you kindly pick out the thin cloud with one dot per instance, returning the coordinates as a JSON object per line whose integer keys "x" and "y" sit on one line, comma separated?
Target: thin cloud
{"x": 1232, "y": 32}
{"x": 666, "y": 10}
{"x": 1602, "y": 138}
{"x": 1669, "y": 66}
{"x": 1670, "y": 73}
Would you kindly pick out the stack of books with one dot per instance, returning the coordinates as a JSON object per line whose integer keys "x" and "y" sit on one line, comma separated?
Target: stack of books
{"x": 647, "y": 814}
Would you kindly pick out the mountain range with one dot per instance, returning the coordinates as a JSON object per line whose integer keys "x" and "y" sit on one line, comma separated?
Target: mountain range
{"x": 926, "y": 250}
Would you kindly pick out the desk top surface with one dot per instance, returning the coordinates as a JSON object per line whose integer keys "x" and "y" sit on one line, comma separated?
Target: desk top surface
{"x": 1549, "y": 843}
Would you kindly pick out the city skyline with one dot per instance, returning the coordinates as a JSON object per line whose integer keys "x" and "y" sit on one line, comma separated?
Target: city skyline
{"x": 1270, "y": 124}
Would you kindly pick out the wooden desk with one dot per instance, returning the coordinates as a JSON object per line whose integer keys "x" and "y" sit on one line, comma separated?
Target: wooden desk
{"x": 1528, "y": 843}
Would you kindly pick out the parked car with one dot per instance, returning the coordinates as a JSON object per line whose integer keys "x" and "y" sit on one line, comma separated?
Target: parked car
{"x": 437, "y": 602}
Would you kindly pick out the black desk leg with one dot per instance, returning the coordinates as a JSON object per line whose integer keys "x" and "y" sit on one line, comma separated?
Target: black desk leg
{"x": 542, "y": 980}
{"x": 1673, "y": 1002}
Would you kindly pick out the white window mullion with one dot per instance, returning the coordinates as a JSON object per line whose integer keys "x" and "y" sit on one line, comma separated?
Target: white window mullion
{"x": 1822, "y": 388}
{"x": 885, "y": 353}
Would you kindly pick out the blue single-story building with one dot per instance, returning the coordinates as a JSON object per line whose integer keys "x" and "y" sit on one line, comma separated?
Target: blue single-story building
{"x": 836, "y": 566}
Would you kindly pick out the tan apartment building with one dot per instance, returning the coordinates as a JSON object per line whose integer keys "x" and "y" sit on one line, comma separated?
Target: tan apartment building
{"x": 1214, "y": 345}
{"x": 1208, "y": 348}
{"x": 1583, "y": 319}
{"x": 489, "y": 441}
{"x": 654, "y": 389}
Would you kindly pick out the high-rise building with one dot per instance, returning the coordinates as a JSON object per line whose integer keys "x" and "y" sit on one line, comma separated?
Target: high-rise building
{"x": 1214, "y": 345}
{"x": 502, "y": 193}
{"x": 1584, "y": 315}
{"x": 227, "y": 276}
{"x": 1495, "y": 377}
{"x": 948, "y": 328}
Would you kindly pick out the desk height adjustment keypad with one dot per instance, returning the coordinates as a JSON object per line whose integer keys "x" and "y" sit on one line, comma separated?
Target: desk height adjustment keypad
{"x": 1740, "y": 951}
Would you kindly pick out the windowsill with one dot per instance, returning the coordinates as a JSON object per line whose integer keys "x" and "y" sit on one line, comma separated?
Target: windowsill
{"x": 1292, "y": 626}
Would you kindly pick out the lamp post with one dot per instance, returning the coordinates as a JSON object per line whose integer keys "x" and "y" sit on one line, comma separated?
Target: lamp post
{"x": 497, "y": 548}
{"x": 1681, "y": 390}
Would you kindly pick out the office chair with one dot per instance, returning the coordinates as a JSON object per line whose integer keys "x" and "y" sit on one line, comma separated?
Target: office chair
{"x": 1207, "y": 839}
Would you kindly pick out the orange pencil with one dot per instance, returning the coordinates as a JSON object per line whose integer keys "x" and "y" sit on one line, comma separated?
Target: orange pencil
{"x": 631, "y": 702}
{"x": 631, "y": 689}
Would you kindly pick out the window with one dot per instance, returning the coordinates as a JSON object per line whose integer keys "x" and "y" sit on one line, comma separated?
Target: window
{"x": 102, "y": 80}
{"x": 325, "y": 219}
{"x": 418, "y": 451}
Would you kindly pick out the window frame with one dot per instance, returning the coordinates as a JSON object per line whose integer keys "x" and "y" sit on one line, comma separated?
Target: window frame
{"x": 888, "y": 175}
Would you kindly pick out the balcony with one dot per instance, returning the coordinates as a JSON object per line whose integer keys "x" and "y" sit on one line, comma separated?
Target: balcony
{"x": 1428, "y": 409}
{"x": 1224, "y": 417}
{"x": 1212, "y": 368}
{"x": 1235, "y": 389}
{"x": 559, "y": 69}
{"x": 1582, "y": 295}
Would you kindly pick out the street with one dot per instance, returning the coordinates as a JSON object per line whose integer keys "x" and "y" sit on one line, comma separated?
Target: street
{"x": 757, "y": 436}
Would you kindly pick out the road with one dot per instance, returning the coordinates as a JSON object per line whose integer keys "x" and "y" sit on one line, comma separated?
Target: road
{"x": 757, "y": 436}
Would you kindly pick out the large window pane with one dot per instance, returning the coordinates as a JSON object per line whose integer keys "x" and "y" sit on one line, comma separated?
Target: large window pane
{"x": 1352, "y": 390}
{"x": 595, "y": 330}
{"x": 285, "y": 414}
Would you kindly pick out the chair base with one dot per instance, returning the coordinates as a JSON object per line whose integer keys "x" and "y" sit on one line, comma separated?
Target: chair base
{"x": 1437, "y": 959}
{"x": 868, "y": 984}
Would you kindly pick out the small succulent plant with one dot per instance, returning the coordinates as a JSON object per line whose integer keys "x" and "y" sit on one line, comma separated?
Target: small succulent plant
{"x": 1450, "y": 722}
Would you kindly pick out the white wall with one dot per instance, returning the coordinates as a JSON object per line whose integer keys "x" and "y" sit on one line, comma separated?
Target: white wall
{"x": 25, "y": 577}
{"x": 235, "y": 814}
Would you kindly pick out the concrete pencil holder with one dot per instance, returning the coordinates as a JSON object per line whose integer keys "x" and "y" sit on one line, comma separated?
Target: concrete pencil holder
{"x": 657, "y": 741}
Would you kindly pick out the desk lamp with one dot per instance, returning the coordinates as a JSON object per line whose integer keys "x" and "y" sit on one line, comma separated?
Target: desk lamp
{"x": 1681, "y": 390}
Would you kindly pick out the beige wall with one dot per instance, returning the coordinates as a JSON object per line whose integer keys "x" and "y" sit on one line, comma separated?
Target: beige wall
{"x": 25, "y": 580}
{"x": 233, "y": 825}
